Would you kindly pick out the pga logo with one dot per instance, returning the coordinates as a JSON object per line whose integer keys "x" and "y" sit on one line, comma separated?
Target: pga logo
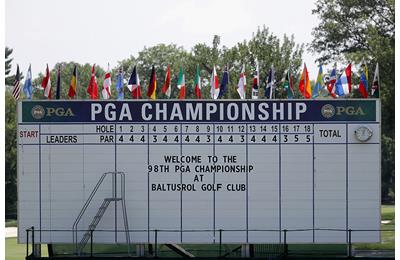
{"x": 38, "y": 112}
{"x": 329, "y": 111}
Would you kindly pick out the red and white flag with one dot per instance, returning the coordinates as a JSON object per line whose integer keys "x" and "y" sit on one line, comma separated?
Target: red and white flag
{"x": 46, "y": 83}
{"x": 241, "y": 87}
{"x": 17, "y": 85}
{"x": 106, "y": 91}
{"x": 92, "y": 88}
{"x": 214, "y": 90}
{"x": 256, "y": 82}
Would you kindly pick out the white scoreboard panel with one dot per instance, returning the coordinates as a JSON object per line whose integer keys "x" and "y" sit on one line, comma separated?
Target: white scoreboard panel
{"x": 192, "y": 168}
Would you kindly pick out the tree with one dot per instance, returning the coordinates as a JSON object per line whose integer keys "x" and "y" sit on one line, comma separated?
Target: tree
{"x": 10, "y": 154}
{"x": 264, "y": 46}
{"x": 352, "y": 30}
{"x": 9, "y": 80}
{"x": 10, "y": 140}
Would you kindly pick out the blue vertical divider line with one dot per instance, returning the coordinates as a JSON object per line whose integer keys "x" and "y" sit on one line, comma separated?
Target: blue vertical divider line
{"x": 214, "y": 182}
{"x": 40, "y": 181}
{"x": 148, "y": 184}
{"x": 247, "y": 188}
{"x": 181, "y": 185}
{"x": 280, "y": 187}
{"x": 347, "y": 182}
{"x": 115, "y": 183}
{"x": 313, "y": 183}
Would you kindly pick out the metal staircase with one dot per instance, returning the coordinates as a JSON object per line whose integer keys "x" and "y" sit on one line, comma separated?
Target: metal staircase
{"x": 102, "y": 209}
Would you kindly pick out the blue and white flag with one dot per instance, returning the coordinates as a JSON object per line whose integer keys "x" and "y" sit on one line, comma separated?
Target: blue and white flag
{"x": 120, "y": 85}
{"x": 28, "y": 84}
{"x": 343, "y": 84}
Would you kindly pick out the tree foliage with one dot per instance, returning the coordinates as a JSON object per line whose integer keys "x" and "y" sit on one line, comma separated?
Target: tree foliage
{"x": 10, "y": 153}
{"x": 7, "y": 68}
{"x": 263, "y": 46}
{"x": 357, "y": 29}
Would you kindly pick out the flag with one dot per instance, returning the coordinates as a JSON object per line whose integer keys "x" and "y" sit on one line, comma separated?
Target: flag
{"x": 106, "y": 91}
{"x": 332, "y": 81}
{"x": 92, "y": 88}
{"x": 151, "y": 91}
{"x": 363, "y": 86}
{"x": 241, "y": 87}
{"x": 343, "y": 84}
{"x": 269, "y": 88}
{"x": 288, "y": 84}
{"x": 72, "y": 86}
{"x": 28, "y": 84}
{"x": 223, "y": 87}
{"x": 256, "y": 81}
{"x": 166, "y": 89}
{"x": 134, "y": 84}
{"x": 214, "y": 87}
{"x": 17, "y": 85}
{"x": 319, "y": 83}
{"x": 181, "y": 84}
{"x": 305, "y": 86}
{"x": 46, "y": 83}
{"x": 58, "y": 83}
{"x": 376, "y": 83}
{"x": 365, "y": 67}
{"x": 197, "y": 83}
{"x": 120, "y": 85}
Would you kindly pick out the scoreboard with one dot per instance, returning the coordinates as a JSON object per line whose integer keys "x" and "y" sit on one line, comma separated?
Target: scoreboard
{"x": 192, "y": 168}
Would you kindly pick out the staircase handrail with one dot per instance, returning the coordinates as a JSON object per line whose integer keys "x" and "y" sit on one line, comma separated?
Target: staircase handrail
{"x": 86, "y": 205}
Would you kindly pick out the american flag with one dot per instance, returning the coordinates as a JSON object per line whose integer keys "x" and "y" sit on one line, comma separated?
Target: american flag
{"x": 17, "y": 85}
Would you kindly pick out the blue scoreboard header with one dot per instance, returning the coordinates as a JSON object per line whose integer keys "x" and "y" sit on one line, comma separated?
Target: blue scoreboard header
{"x": 199, "y": 111}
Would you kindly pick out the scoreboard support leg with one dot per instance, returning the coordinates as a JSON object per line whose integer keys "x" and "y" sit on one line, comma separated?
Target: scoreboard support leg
{"x": 37, "y": 250}
{"x": 245, "y": 251}
{"x": 140, "y": 250}
{"x": 50, "y": 251}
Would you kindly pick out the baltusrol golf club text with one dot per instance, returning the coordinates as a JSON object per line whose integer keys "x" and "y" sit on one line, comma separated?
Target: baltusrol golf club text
{"x": 200, "y": 166}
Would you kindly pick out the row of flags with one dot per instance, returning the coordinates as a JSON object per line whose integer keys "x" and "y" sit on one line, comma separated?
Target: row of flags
{"x": 335, "y": 86}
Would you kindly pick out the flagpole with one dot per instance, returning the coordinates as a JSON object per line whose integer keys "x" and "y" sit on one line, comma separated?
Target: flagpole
{"x": 137, "y": 77}
{"x": 121, "y": 70}
{"x": 304, "y": 70}
{"x": 77, "y": 84}
{"x": 379, "y": 82}
{"x": 289, "y": 78}
{"x": 272, "y": 83}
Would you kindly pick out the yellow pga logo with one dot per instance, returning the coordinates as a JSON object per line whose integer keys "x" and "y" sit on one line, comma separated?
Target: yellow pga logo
{"x": 59, "y": 111}
{"x": 350, "y": 111}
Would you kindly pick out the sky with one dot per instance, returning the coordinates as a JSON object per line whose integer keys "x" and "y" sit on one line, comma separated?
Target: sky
{"x": 105, "y": 31}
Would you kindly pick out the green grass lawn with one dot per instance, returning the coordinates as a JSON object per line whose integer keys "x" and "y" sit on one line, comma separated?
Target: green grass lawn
{"x": 387, "y": 237}
{"x": 16, "y": 251}
{"x": 11, "y": 222}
